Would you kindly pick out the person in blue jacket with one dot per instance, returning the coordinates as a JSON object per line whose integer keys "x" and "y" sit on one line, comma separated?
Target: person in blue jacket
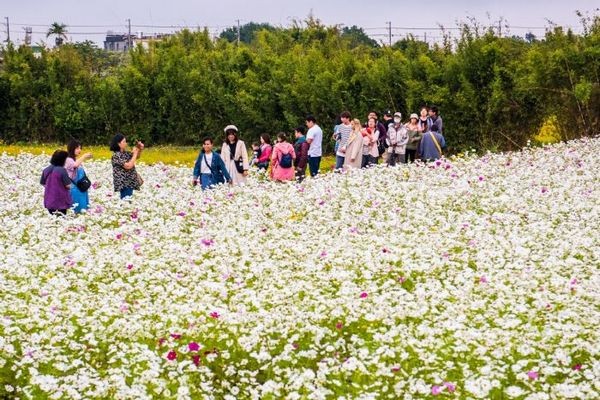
{"x": 209, "y": 168}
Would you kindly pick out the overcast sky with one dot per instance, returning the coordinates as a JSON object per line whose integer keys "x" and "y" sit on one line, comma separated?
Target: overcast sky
{"x": 372, "y": 15}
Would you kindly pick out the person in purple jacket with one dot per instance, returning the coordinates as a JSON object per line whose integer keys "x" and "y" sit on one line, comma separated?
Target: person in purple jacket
{"x": 57, "y": 184}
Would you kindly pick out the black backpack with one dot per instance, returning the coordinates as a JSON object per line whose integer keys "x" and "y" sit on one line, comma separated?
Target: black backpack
{"x": 286, "y": 161}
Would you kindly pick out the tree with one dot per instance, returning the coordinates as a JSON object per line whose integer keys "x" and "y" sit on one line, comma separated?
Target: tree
{"x": 60, "y": 31}
{"x": 247, "y": 32}
{"x": 358, "y": 37}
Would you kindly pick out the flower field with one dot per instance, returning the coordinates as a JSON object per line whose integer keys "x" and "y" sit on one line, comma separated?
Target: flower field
{"x": 477, "y": 277}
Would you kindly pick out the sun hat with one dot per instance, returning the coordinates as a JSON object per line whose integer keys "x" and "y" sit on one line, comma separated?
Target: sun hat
{"x": 413, "y": 115}
{"x": 398, "y": 114}
{"x": 228, "y": 127}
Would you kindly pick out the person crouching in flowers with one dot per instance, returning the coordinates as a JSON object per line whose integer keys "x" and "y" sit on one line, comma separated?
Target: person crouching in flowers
{"x": 235, "y": 155}
{"x": 125, "y": 177}
{"x": 74, "y": 168}
{"x": 209, "y": 168}
{"x": 57, "y": 184}
{"x": 282, "y": 160}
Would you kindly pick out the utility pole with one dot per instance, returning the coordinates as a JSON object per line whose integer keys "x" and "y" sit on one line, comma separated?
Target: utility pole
{"x": 238, "y": 32}
{"x": 425, "y": 40}
{"x": 500, "y": 28}
{"x": 7, "y": 30}
{"x": 128, "y": 33}
{"x": 389, "y": 23}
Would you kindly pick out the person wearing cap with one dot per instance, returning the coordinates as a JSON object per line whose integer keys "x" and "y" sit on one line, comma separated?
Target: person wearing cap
{"x": 396, "y": 140}
{"x": 235, "y": 155}
{"x": 414, "y": 138}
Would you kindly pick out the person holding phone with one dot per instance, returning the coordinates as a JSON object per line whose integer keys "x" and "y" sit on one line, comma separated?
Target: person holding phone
{"x": 125, "y": 178}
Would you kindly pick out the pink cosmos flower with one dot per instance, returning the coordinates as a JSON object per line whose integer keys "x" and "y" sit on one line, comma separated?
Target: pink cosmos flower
{"x": 323, "y": 254}
{"x": 339, "y": 325}
{"x": 196, "y": 359}
{"x": 385, "y": 250}
{"x": 214, "y": 315}
{"x": 544, "y": 189}
{"x": 295, "y": 345}
{"x": 181, "y": 214}
{"x": 483, "y": 279}
{"x": 435, "y": 390}
{"x": 193, "y": 346}
{"x": 450, "y": 386}
{"x": 119, "y": 236}
{"x": 207, "y": 242}
{"x": 402, "y": 279}
{"x": 533, "y": 375}
{"x": 171, "y": 355}
{"x": 395, "y": 369}
{"x": 176, "y": 336}
{"x": 363, "y": 295}
{"x": 161, "y": 341}
{"x": 481, "y": 178}
{"x": 577, "y": 367}
{"x": 129, "y": 266}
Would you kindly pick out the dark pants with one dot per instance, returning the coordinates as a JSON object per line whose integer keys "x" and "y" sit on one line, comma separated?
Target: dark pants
{"x": 394, "y": 158}
{"x": 313, "y": 165}
{"x": 339, "y": 162}
{"x": 126, "y": 192}
{"x": 411, "y": 155}
{"x": 368, "y": 160}
{"x": 263, "y": 165}
{"x": 54, "y": 211}
{"x": 300, "y": 174}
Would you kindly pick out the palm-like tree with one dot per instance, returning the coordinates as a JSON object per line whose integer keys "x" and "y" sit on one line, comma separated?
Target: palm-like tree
{"x": 60, "y": 30}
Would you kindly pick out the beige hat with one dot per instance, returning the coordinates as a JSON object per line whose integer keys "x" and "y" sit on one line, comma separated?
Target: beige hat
{"x": 413, "y": 115}
{"x": 397, "y": 114}
{"x": 228, "y": 127}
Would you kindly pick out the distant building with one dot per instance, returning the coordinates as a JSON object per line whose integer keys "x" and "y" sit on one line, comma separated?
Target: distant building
{"x": 117, "y": 42}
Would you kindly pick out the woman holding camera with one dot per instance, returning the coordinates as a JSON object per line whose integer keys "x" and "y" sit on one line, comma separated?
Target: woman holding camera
{"x": 125, "y": 177}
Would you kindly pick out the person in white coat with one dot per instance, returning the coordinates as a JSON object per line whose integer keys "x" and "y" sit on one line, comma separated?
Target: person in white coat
{"x": 235, "y": 155}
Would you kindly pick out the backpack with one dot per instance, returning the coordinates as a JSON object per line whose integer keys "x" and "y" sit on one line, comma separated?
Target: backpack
{"x": 286, "y": 161}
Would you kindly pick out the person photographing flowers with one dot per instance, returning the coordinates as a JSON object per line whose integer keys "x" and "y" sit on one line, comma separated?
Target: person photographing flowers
{"x": 125, "y": 177}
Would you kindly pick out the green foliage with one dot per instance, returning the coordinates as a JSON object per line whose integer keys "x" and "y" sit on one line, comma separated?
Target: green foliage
{"x": 493, "y": 92}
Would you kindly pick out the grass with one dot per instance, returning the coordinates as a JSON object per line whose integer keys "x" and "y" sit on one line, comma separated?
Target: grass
{"x": 171, "y": 155}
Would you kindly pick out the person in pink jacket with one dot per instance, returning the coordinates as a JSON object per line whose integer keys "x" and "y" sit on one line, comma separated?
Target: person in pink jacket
{"x": 282, "y": 160}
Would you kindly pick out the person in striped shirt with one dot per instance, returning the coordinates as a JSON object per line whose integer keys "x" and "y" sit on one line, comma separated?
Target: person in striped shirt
{"x": 344, "y": 131}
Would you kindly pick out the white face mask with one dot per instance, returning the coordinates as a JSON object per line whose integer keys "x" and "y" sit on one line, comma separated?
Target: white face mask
{"x": 397, "y": 120}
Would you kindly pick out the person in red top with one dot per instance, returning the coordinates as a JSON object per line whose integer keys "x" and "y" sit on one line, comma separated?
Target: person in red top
{"x": 265, "y": 152}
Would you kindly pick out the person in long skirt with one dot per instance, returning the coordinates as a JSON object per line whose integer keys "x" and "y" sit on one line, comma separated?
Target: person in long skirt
{"x": 74, "y": 167}
{"x": 235, "y": 155}
{"x": 354, "y": 147}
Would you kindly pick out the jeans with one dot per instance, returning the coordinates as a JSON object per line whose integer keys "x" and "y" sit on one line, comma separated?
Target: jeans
{"x": 126, "y": 192}
{"x": 339, "y": 162}
{"x": 206, "y": 181}
{"x": 410, "y": 155}
{"x": 313, "y": 165}
{"x": 368, "y": 160}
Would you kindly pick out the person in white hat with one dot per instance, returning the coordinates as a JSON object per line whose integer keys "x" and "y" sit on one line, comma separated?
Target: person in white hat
{"x": 397, "y": 137}
{"x": 235, "y": 155}
{"x": 414, "y": 137}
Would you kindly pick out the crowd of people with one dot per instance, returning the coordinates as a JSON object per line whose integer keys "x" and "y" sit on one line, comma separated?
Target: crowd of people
{"x": 356, "y": 146}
